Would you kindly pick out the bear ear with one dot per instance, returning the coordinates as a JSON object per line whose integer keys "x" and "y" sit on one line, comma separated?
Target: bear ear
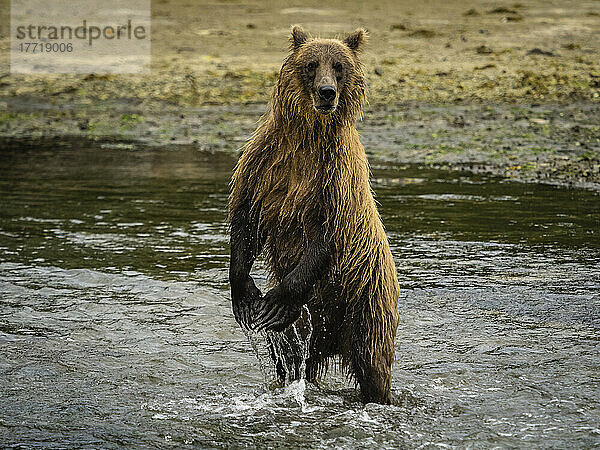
{"x": 356, "y": 39}
{"x": 298, "y": 37}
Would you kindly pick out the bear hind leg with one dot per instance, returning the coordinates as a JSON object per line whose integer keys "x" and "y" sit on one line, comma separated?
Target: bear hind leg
{"x": 371, "y": 364}
{"x": 374, "y": 381}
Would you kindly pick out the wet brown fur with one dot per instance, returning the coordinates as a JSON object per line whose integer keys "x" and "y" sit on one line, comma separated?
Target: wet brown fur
{"x": 304, "y": 173}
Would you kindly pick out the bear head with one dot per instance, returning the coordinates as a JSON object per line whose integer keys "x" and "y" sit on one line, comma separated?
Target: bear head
{"x": 324, "y": 75}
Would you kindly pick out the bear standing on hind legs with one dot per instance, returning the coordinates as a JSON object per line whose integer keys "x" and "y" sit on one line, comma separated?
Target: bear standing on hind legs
{"x": 301, "y": 196}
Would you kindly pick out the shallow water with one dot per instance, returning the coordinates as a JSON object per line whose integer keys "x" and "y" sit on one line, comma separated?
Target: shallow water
{"x": 116, "y": 328}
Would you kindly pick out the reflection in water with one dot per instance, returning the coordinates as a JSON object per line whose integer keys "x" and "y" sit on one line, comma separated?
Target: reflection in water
{"x": 116, "y": 329}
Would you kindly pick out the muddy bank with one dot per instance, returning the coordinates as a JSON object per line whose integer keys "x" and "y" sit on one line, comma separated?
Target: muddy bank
{"x": 547, "y": 143}
{"x": 558, "y": 144}
{"x": 229, "y": 52}
{"x": 510, "y": 88}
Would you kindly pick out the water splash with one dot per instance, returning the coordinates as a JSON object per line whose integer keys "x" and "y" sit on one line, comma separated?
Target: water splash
{"x": 282, "y": 355}
{"x": 304, "y": 342}
{"x": 260, "y": 345}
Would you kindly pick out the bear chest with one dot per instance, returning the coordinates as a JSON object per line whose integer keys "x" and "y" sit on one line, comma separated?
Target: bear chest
{"x": 291, "y": 204}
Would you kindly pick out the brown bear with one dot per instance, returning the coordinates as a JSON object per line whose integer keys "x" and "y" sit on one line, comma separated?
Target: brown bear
{"x": 301, "y": 196}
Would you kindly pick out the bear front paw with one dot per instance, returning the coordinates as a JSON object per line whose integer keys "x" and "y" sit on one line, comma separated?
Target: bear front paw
{"x": 276, "y": 312}
{"x": 244, "y": 301}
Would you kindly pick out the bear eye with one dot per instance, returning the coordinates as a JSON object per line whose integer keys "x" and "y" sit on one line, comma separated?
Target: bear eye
{"x": 312, "y": 66}
{"x": 338, "y": 71}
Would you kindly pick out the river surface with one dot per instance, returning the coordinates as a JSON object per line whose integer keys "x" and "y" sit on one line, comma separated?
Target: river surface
{"x": 116, "y": 328}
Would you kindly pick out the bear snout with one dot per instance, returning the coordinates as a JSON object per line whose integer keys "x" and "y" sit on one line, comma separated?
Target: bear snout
{"x": 327, "y": 93}
{"x": 325, "y": 100}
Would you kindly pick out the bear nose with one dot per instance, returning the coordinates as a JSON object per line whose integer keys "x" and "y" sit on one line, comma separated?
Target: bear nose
{"x": 327, "y": 92}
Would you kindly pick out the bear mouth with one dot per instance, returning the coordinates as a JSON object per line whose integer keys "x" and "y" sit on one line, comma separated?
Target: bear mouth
{"x": 325, "y": 109}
